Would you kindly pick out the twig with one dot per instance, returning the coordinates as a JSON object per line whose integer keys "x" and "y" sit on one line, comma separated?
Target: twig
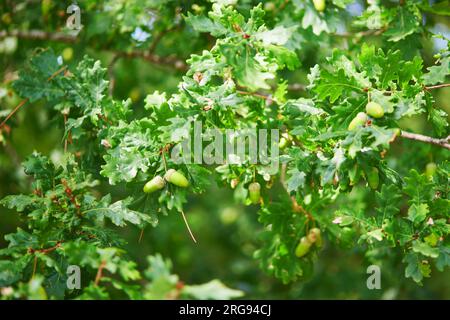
{"x": 295, "y": 205}
{"x": 45, "y": 250}
{"x": 187, "y": 226}
{"x": 39, "y": 35}
{"x": 296, "y": 87}
{"x": 24, "y": 101}
{"x": 21, "y": 103}
{"x": 419, "y": 137}
{"x": 426, "y": 88}
{"x": 34, "y": 267}
{"x": 141, "y": 235}
{"x": 360, "y": 34}
{"x": 255, "y": 94}
{"x": 171, "y": 60}
{"x": 99, "y": 275}
{"x": 112, "y": 79}
{"x": 160, "y": 36}
{"x": 443, "y": 85}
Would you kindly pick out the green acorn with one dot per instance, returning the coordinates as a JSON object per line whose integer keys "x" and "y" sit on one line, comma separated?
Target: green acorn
{"x": 255, "y": 192}
{"x": 374, "y": 110}
{"x": 303, "y": 247}
{"x": 315, "y": 237}
{"x": 157, "y": 183}
{"x": 430, "y": 169}
{"x": 357, "y": 121}
{"x": 176, "y": 178}
{"x": 373, "y": 178}
{"x": 283, "y": 143}
{"x": 319, "y": 5}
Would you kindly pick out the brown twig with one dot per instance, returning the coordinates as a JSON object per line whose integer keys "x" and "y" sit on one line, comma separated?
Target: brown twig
{"x": 296, "y": 87}
{"x": 99, "y": 275}
{"x": 171, "y": 60}
{"x": 45, "y": 250}
{"x": 39, "y": 35}
{"x": 159, "y": 37}
{"x": 443, "y": 85}
{"x": 295, "y": 205}
{"x": 360, "y": 34}
{"x": 419, "y": 137}
{"x": 112, "y": 79}
{"x": 255, "y": 94}
{"x": 426, "y": 88}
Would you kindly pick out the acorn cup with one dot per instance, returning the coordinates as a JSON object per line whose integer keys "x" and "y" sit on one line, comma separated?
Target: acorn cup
{"x": 176, "y": 178}
{"x": 157, "y": 183}
{"x": 255, "y": 192}
{"x": 303, "y": 247}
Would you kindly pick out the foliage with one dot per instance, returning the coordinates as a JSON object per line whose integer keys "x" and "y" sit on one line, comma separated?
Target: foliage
{"x": 242, "y": 61}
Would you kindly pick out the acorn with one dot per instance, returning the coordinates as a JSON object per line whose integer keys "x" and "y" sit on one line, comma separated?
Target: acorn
{"x": 315, "y": 237}
{"x": 255, "y": 192}
{"x": 67, "y": 54}
{"x": 373, "y": 178}
{"x": 430, "y": 169}
{"x": 319, "y": 5}
{"x": 374, "y": 110}
{"x": 358, "y": 121}
{"x": 157, "y": 183}
{"x": 283, "y": 143}
{"x": 303, "y": 247}
{"x": 176, "y": 178}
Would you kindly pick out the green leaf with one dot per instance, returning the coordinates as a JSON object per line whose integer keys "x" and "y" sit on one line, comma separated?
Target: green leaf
{"x": 437, "y": 74}
{"x": 203, "y": 24}
{"x": 119, "y": 214}
{"x": 413, "y": 267}
{"x": 418, "y": 212}
{"x": 34, "y": 82}
{"x": 296, "y": 179}
{"x": 405, "y": 22}
{"x": 334, "y": 85}
{"x": 425, "y": 249}
{"x": 443, "y": 259}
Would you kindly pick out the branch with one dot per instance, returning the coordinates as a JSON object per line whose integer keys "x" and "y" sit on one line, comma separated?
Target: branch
{"x": 171, "y": 60}
{"x": 160, "y": 36}
{"x": 39, "y": 35}
{"x": 361, "y": 34}
{"x": 99, "y": 275}
{"x": 438, "y": 86}
{"x": 296, "y": 207}
{"x": 419, "y": 137}
{"x": 255, "y": 94}
{"x": 296, "y": 87}
{"x": 46, "y": 250}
